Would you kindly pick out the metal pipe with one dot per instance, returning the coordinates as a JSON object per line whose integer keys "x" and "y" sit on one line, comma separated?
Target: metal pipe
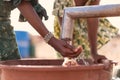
{"x": 71, "y": 13}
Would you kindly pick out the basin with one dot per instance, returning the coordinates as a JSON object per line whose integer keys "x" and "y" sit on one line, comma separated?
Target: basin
{"x": 52, "y": 69}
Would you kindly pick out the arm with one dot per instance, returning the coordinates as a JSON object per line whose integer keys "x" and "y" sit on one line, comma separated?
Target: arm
{"x": 92, "y": 24}
{"x": 29, "y": 13}
{"x": 61, "y": 46}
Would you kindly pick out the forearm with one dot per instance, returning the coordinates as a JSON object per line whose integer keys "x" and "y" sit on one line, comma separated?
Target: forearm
{"x": 29, "y": 13}
{"x": 92, "y": 30}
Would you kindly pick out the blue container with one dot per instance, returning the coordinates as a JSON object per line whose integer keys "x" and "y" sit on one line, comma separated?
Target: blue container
{"x": 23, "y": 42}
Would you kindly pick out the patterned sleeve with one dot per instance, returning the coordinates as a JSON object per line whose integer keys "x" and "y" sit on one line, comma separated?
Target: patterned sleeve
{"x": 38, "y": 8}
{"x": 17, "y": 2}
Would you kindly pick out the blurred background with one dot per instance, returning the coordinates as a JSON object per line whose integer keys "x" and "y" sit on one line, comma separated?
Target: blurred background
{"x": 32, "y": 45}
{"x": 48, "y": 4}
{"x": 39, "y": 49}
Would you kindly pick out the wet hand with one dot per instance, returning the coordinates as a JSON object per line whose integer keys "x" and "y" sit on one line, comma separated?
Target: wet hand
{"x": 76, "y": 51}
{"x": 64, "y": 48}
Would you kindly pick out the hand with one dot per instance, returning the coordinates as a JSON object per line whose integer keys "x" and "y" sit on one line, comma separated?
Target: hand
{"x": 102, "y": 59}
{"x": 64, "y": 48}
{"x": 98, "y": 58}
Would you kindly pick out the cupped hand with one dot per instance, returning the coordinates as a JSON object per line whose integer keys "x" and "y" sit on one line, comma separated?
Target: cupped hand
{"x": 64, "y": 48}
{"x": 76, "y": 52}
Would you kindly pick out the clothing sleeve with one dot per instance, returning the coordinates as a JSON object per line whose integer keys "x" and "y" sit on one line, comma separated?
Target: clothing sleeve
{"x": 17, "y": 2}
{"x": 12, "y": 4}
{"x": 41, "y": 11}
